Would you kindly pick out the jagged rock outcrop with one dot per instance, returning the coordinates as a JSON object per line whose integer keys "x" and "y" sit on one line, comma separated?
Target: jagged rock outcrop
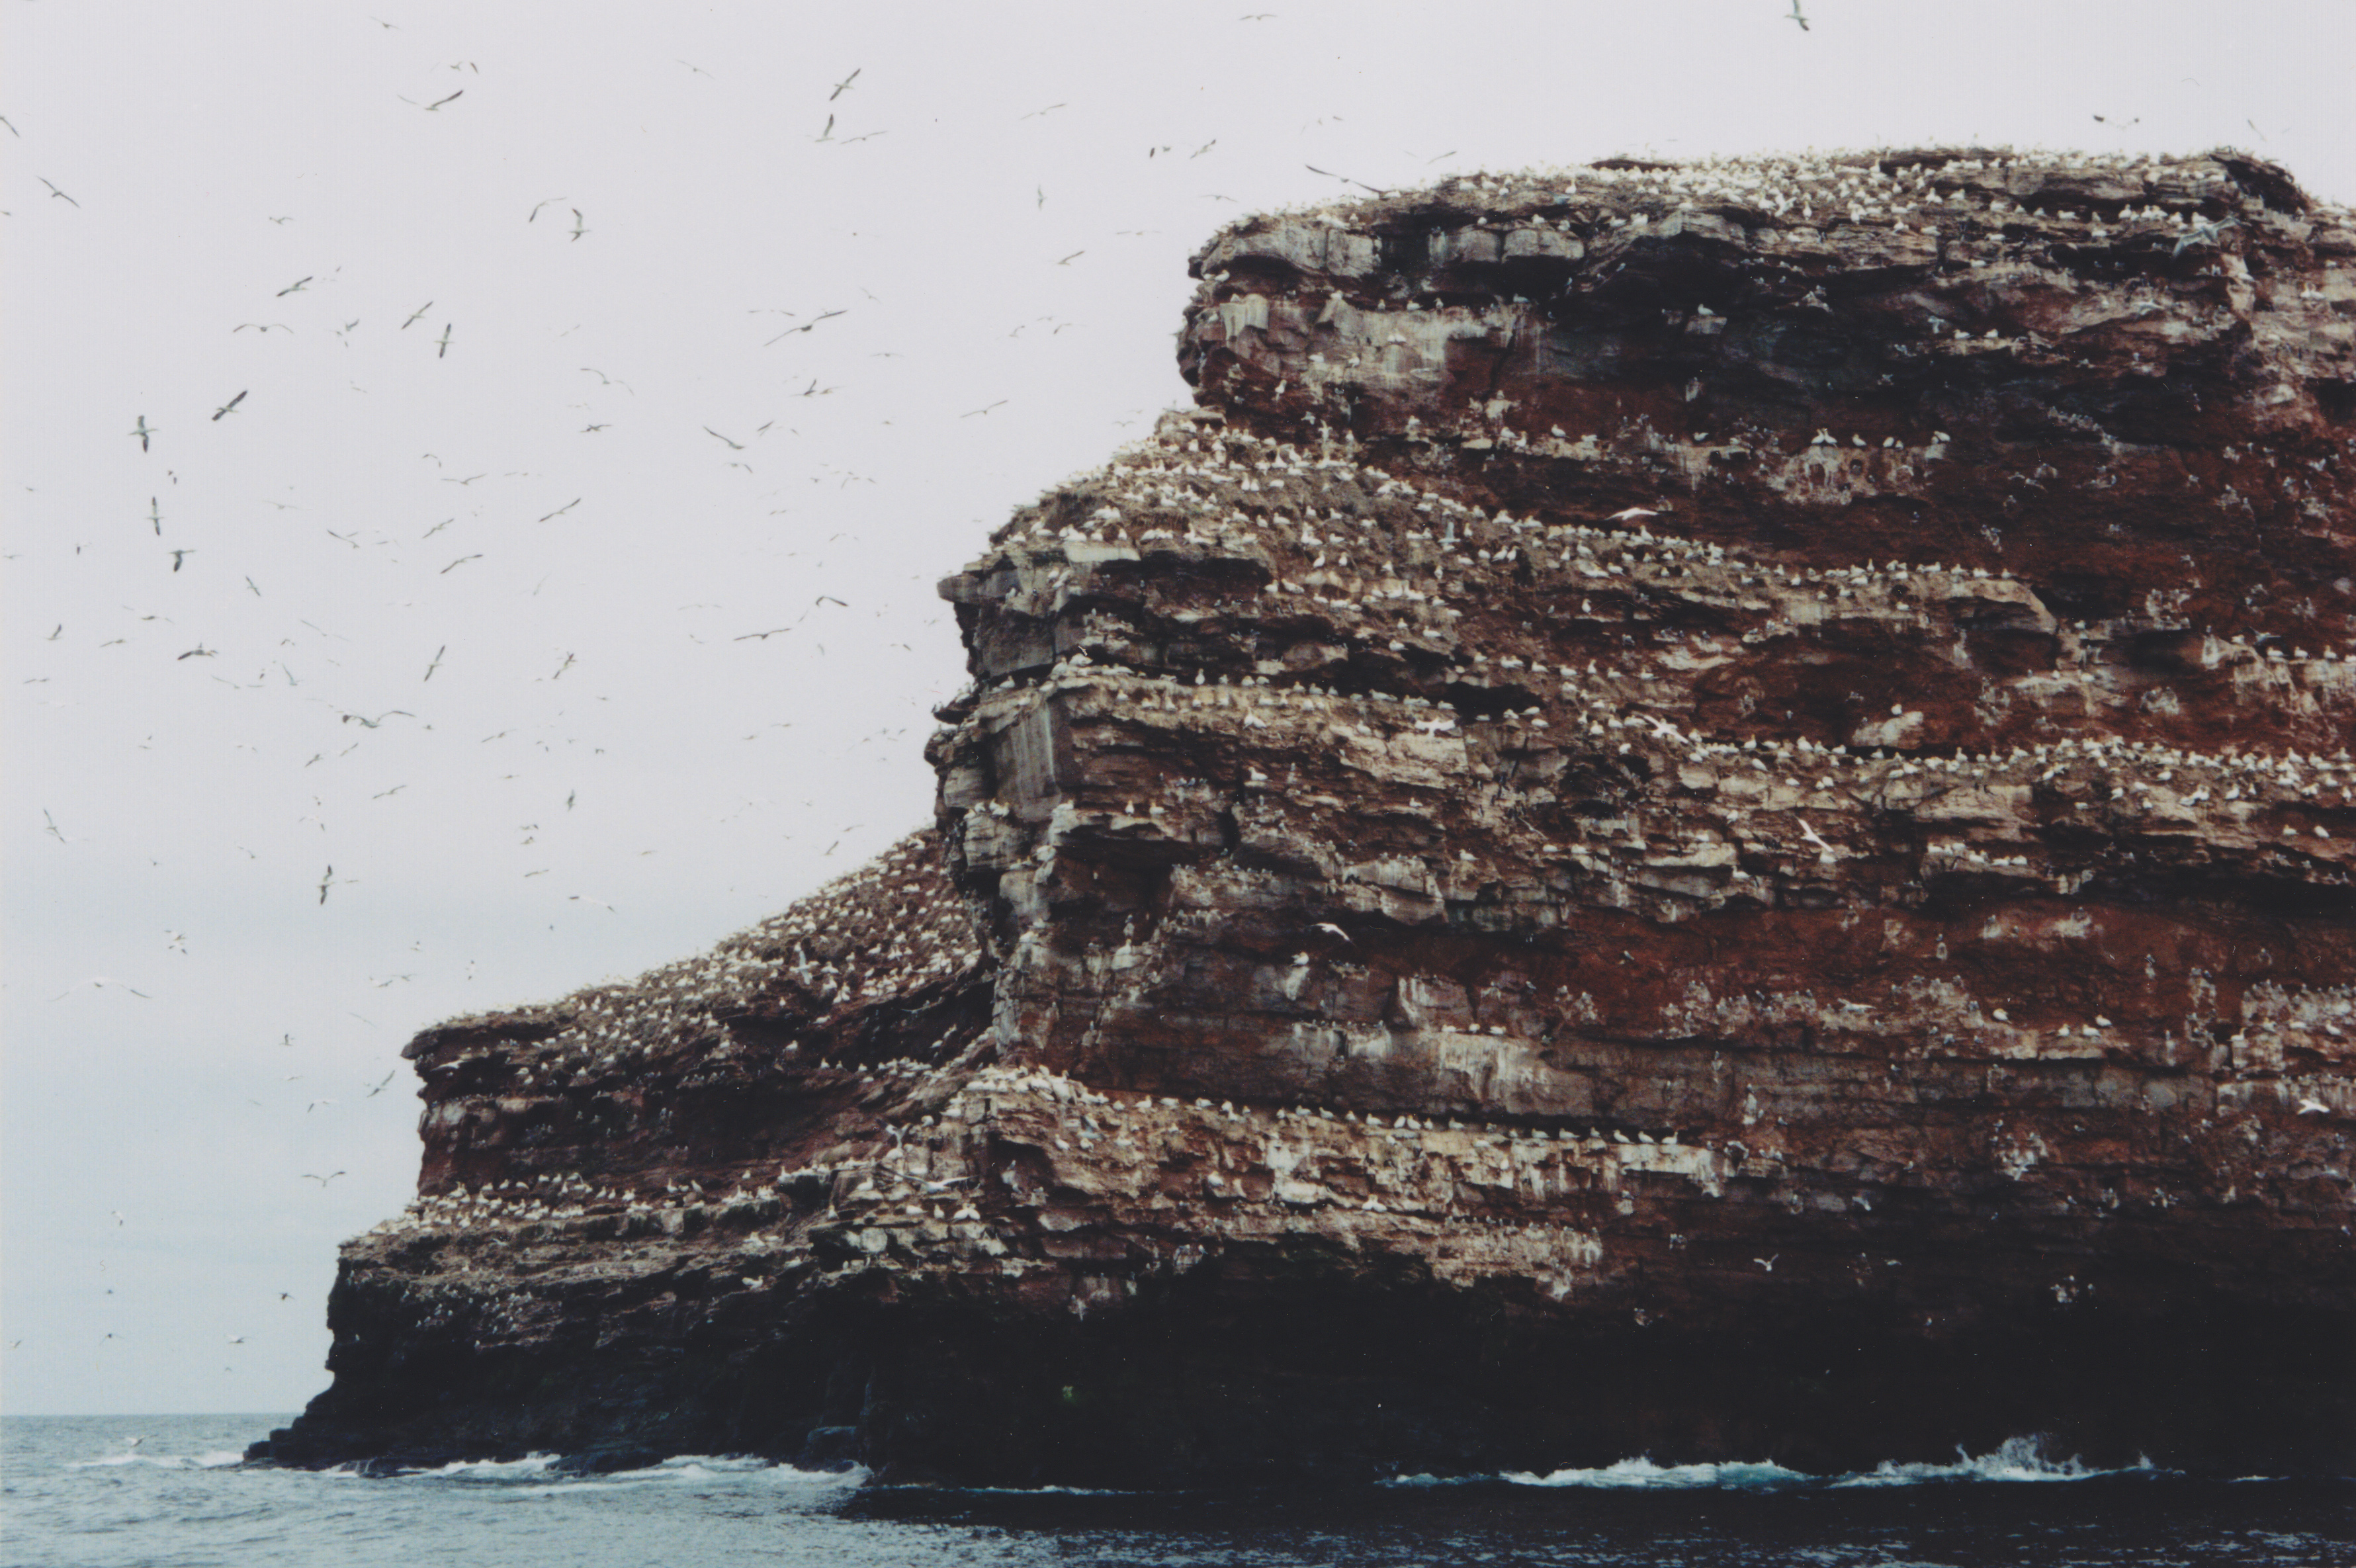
{"x": 1414, "y": 971}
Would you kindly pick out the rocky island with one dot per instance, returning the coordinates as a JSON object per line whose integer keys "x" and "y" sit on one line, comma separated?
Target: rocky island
{"x": 1701, "y": 809}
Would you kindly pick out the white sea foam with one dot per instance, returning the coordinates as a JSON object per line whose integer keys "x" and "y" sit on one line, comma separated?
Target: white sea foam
{"x": 531, "y": 1467}
{"x": 2013, "y": 1459}
{"x": 1644, "y": 1475}
{"x": 211, "y": 1459}
{"x": 537, "y": 1474}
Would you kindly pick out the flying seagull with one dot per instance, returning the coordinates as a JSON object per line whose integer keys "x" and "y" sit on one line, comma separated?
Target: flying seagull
{"x": 229, "y": 405}
{"x": 1798, "y": 16}
{"x": 413, "y": 320}
{"x": 326, "y": 882}
{"x": 53, "y": 190}
{"x": 843, "y": 86}
{"x": 732, "y": 445}
{"x": 1629, "y": 514}
{"x": 322, "y": 1180}
{"x": 145, "y": 431}
{"x": 443, "y": 341}
{"x": 580, "y": 224}
{"x": 462, "y": 93}
{"x": 294, "y": 287}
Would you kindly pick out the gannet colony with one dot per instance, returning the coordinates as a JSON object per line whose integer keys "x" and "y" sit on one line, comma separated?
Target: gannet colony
{"x": 1701, "y": 809}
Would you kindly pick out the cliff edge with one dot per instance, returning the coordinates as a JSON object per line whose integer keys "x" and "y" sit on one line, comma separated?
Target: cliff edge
{"x": 1702, "y": 810}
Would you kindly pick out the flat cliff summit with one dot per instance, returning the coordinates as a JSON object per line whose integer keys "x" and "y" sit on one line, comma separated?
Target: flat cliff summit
{"x": 1700, "y": 810}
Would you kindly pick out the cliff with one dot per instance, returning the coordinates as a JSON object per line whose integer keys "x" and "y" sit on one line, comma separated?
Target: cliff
{"x": 1703, "y": 810}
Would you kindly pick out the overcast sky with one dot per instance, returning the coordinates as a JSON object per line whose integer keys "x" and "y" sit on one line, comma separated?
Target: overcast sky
{"x": 569, "y": 350}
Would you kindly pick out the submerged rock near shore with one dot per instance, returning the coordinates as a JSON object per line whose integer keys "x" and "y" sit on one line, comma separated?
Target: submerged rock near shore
{"x": 1701, "y": 810}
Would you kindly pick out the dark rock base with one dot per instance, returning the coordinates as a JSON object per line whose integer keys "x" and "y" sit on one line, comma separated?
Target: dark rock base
{"x": 1213, "y": 1382}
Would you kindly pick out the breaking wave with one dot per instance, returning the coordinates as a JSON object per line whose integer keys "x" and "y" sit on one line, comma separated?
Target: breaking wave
{"x": 2015, "y": 1459}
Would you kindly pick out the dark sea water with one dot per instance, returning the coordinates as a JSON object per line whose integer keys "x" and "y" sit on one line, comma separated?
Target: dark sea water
{"x": 78, "y": 1490}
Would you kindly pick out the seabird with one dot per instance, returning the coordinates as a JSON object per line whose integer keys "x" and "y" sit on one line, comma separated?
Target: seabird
{"x": 53, "y": 190}
{"x": 443, "y": 341}
{"x": 843, "y": 86}
{"x": 1797, "y": 17}
{"x": 142, "y": 432}
{"x": 420, "y": 311}
{"x": 229, "y": 405}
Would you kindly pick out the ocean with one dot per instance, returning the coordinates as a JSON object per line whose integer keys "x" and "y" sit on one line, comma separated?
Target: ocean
{"x": 169, "y": 1492}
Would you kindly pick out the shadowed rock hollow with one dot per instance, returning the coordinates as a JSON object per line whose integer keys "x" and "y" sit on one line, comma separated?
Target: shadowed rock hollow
{"x": 1702, "y": 810}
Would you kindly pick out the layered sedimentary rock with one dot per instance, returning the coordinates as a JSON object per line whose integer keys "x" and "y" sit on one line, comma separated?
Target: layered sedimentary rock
{"x": 1703, "y": 810}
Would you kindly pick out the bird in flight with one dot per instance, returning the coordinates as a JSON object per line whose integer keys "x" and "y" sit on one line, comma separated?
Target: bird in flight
{"x": 372, "y": 723}
{"x": 1629, "y": 514}
{"x": 53, "y": 190}
{"x": 969, "y": 413}
{"x": 580, "y": 224}
{"x": 229, "y": 405}
{"x": 377, "y": 1090}
{"x": 843, "y": 86}
{"x": 453, "y": 565}
{"x": 1799, "y": 16}
{"x": 294, "y": 287}
{"x": 420, "y": 311}
{"x": 326, "y": 882}
{"x": 732, "y": 445}
{"x": 443, "y": 341}
{"x": 826, "y": 134}
{"x": 1075, "y": 256}
{"x": 308, "y": 1176}
{"x": 102, "y": 982}
{"x": 145, "y": 431}
{"x": 462, "y": 93}
{"x": 437, "y": 662}
{"x": 179, "y": 555}
{"x": 535, "y": 212}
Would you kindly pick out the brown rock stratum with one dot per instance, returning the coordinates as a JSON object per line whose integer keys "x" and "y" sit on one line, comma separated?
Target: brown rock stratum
{"x": 1421, "y": 967}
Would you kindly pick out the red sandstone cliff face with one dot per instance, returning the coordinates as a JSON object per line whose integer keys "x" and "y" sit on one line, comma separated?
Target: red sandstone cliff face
{"x": 1416, "y": 970}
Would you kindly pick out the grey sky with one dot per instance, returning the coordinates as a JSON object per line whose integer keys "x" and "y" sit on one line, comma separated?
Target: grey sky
{"x": 602, "y": 773}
